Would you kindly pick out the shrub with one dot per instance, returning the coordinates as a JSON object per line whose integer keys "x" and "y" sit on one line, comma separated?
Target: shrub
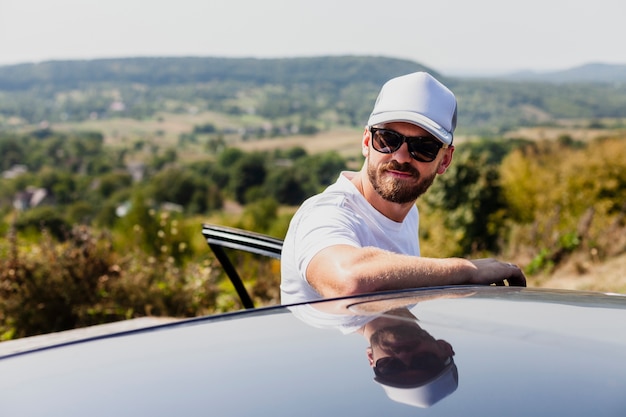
{"x": 50, "y": 286}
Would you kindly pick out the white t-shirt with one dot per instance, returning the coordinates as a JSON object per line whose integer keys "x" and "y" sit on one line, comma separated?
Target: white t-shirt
{"x": 338, "y": 216}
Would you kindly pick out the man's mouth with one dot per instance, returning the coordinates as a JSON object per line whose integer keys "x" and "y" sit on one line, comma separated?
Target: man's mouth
{"x": 400, "y": 174}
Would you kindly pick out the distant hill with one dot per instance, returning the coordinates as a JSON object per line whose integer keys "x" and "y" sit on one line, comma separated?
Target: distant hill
{"x": 589, "y": 73}
{"x": 316, "y": 91}
{"x": 337, "y": 71}
{"x": 313, "y": 93}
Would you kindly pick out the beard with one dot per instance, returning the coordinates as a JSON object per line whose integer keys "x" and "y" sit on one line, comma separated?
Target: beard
{"x": 401, "y": 191}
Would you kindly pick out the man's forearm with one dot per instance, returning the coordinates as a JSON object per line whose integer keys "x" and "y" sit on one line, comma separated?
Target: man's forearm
{"x": 343, "y": 271}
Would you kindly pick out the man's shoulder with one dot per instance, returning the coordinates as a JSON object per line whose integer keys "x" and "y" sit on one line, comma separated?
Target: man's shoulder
{"x": 335, "y": 195}
{"x": 330, "y": 198}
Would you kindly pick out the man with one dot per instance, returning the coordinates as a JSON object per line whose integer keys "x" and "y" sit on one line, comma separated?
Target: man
{"x": 361, "y": 234}
{"x": 411, "y": 366}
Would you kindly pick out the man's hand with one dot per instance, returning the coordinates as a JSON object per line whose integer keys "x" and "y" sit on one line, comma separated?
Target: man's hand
{"x": 491, "y": 271}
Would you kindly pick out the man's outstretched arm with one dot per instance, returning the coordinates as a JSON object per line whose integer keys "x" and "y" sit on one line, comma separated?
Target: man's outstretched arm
{"x": 344, "y": 270}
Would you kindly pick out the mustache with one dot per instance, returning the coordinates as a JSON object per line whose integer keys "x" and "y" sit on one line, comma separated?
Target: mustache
{"x": 396, "y": 166}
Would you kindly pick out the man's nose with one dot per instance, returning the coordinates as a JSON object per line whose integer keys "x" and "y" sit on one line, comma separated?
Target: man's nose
{"x": 402, "y": 155}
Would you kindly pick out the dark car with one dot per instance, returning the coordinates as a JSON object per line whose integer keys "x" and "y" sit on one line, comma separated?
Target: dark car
{"x": 475, "y": 351}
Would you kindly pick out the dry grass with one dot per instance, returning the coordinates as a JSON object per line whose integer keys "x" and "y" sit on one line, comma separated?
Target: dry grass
{"x": 582, "y": 273}
{"x": 345, "y": 141}
{"x": 165, "y": 129}
{"x": 575, "y": 130}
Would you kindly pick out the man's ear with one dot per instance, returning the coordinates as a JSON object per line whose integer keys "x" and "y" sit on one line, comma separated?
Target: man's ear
{"x": 446, "y": 160}
{"x": 370, "y": 356}
{"x": 365, "y": 143}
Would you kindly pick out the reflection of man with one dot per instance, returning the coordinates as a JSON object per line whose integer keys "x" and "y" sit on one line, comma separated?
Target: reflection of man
{"x": 412, "y": 366}
{"x": 361, "y": 234}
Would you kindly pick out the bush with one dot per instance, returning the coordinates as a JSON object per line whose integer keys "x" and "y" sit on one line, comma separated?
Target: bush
{"x": 48, "y": 286}
{"x": 45, "y": 217}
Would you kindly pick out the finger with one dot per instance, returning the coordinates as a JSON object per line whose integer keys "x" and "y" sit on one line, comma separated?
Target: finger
{"x": 517, "y": 280}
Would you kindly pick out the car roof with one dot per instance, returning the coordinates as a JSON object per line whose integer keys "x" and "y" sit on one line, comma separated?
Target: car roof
{"x": 517, "y": 351}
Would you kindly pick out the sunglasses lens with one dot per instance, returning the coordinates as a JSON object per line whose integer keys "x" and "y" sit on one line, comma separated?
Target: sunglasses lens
{"x": 388, "y": 366}
{"x": 425, "y": 150}
{"x": 426, "y": 362}
{"x": 386, "y": 141}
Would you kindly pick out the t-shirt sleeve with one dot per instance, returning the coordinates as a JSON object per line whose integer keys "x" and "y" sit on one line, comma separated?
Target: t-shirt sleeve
{"x": 326, "y": 226}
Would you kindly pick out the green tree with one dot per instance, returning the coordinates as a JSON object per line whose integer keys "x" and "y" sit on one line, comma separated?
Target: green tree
{"x": 470, "y": 196}
{"x": 324, "y": 167}
{"x": 248, "y": 172}
{"x": 260, "y": 215}
{"x": 229, "y": 157}
{"x": 184, "y": 187}
{"x": 12, "y": 152}
{"x": 112, "y": 182}
{"x": 286, "y": 186}
{"x": 46, "y": 218}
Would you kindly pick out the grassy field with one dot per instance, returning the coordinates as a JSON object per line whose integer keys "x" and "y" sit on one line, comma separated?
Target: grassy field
{"x": 165, "y": 130}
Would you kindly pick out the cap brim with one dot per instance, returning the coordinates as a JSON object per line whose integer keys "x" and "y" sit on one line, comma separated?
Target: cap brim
{"x": 424, "y": 394}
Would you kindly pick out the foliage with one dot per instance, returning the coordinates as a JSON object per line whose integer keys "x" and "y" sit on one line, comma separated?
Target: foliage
{"x": 567, "y": 197}
{"x": 539, "y": 202}
{"x": 48, "y": 287}
{"x": 548, "y": 177}
{"x": 45, "y": 217}
{"x": 251, "y": 172}
{"x": 492, "y": 107}
{"x": 296, "y": 175}
{"x": 83, "y": 195}
{"x": 470, "y": 196}
{"x": 178, "y": 185}
{"x": 57, "y": 274}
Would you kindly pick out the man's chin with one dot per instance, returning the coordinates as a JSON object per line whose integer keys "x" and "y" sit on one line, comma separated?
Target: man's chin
{"x": 401, "y": 195}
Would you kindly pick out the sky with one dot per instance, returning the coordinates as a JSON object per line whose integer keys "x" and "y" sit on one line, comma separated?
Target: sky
{"x": 450, "y": 36}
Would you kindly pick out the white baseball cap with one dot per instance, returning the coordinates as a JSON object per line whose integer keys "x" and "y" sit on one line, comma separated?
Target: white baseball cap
{"x": 420, "y": 99}
{"x": 424, "y": 394}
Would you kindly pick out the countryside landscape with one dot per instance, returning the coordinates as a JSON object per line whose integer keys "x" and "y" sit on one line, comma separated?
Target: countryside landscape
{"x": 110, "y": 167}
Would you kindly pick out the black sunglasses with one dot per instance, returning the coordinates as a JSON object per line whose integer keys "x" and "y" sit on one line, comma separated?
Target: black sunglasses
{"x": 421, "y": 148}
{"x": 389, "y": 366}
